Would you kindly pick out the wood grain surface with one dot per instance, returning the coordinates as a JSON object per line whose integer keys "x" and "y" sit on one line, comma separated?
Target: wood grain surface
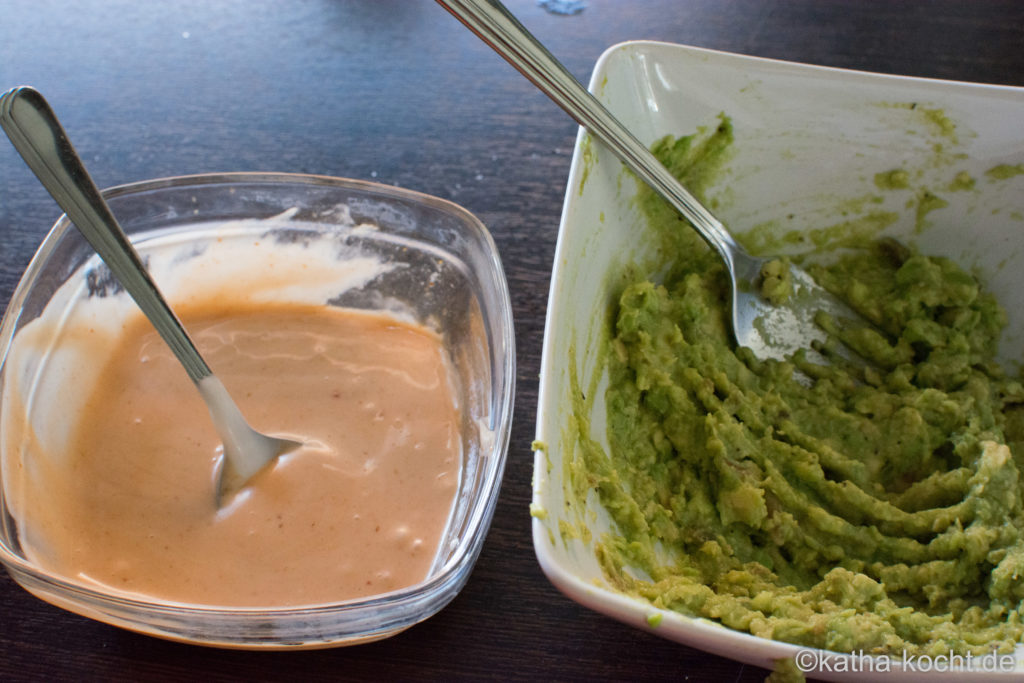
{"x": 397, "y": 91}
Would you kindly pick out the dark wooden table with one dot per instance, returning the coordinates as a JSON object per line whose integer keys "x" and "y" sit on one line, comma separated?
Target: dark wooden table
{"x": 399, "y": 92}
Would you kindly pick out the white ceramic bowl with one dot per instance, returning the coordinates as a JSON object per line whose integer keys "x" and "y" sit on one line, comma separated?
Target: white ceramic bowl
{"x": 808, "y": 143}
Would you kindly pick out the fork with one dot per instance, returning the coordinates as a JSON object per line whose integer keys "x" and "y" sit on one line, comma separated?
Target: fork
{"x": 769, "y": 330}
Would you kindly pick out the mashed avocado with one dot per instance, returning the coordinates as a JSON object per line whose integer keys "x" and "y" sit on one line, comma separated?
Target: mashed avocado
{"x": 877, "y": 511}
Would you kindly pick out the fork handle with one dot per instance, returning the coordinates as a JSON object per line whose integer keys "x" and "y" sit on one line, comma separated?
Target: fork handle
{"x": 491, "y": 21}
{"x": 36, "y": 133}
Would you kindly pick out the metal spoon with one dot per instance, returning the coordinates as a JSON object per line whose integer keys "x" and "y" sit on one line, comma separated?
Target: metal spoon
{"x": 31, "y": 125}
{"x": 770, "y": 331}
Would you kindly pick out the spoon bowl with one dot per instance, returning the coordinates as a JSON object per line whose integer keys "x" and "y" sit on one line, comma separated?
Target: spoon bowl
{"x": 36, "y": 133}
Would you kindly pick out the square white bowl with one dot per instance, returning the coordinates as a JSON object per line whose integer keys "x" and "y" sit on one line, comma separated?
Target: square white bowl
{"x": 809, "y": 142}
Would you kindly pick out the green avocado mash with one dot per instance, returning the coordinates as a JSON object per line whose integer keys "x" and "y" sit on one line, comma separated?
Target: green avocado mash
{"x": 876, "y": 511}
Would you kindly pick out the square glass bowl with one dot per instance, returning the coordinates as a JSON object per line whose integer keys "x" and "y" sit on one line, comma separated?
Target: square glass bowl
{"x": 809, "y": 144}
{"x": 356, "y": 244}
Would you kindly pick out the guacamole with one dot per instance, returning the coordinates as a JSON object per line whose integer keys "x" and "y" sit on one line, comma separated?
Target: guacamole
{"x": 873, "y": 510}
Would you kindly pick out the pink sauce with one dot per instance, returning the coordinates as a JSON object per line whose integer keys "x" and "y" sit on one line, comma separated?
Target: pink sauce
{"x": 358, "y": 511}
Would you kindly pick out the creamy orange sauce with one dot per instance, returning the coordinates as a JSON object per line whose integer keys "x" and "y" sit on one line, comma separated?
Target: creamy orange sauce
{"x": 359, "y": 510}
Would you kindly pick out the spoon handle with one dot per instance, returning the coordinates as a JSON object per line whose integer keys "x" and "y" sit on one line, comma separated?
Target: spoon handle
{"x": 36, "y": 133}
{"x": 497, "y": 27}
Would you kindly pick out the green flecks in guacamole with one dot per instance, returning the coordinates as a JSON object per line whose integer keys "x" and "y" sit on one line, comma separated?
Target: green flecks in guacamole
{"x": 877, "y": 511}
{"x": 1005, "y": 171}
{"x": 927, "y": 201}
{"x": 933, "y": 118}
{"x": 589, "y": 158}
{"x": 939, "y": 119}
{"x": 570, "y": 531}
{"x": 896, "y": 179}
{"x": 764, "y": 239}
{"x": 962, "y": 181}
{"x": 696, "y": 159}
{"x": 776, "y": 281}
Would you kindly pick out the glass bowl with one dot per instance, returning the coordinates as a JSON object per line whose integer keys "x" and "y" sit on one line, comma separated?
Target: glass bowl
{"x": 381, "y": 248}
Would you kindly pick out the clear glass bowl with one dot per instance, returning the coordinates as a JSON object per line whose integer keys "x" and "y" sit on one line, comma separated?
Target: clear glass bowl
{"x": 445, "y": 273}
